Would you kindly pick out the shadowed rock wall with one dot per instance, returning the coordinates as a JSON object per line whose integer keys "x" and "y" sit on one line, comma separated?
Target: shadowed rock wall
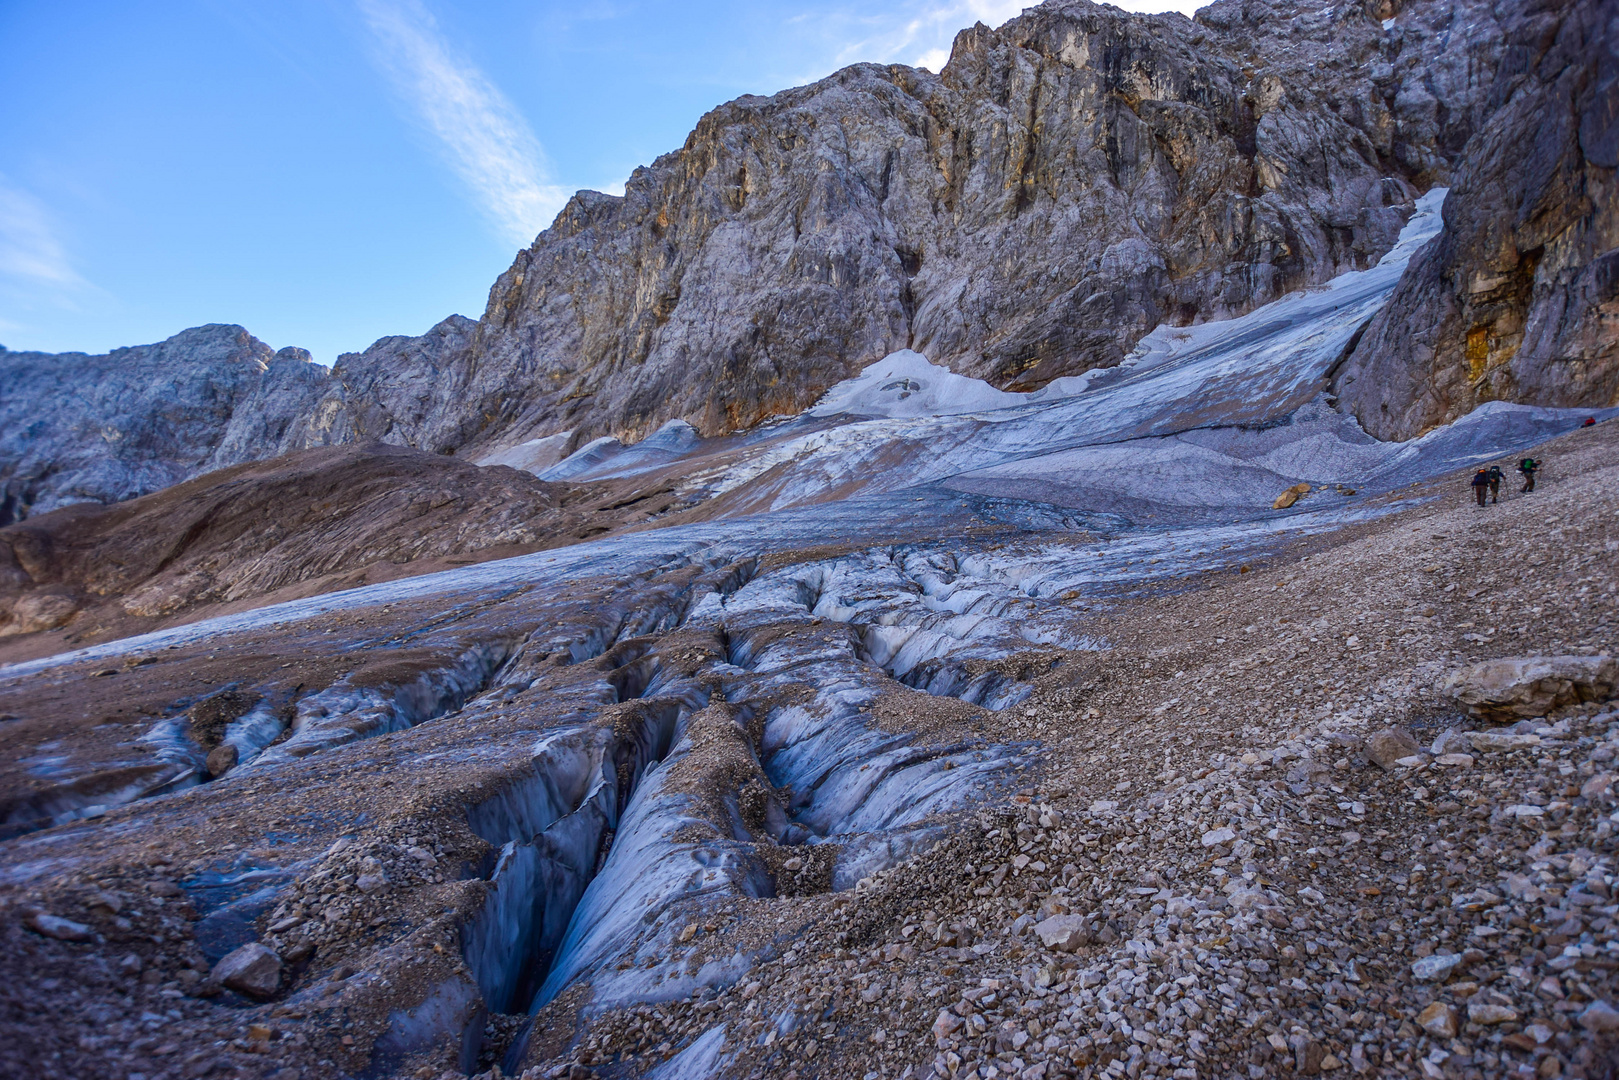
{"x": 1518, "y": 298}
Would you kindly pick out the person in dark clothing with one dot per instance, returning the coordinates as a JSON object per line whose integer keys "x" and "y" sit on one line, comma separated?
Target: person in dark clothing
{"x": 1528, "y": 466}
{"x": 1496, "y": 476}
{"x": 1481, "y": 485}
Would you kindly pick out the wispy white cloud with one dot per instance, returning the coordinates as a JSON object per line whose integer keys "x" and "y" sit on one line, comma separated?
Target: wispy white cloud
{"x": 30, "y": 252}
{"x": 485, "y": 139}
{"x": 922, "y": 33}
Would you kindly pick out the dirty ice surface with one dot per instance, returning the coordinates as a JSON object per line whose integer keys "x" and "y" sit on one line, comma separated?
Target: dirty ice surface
{"x": 1190, "y": 439}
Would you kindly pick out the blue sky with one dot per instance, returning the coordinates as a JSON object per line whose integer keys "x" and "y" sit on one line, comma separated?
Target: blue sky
{"x": 326, "y": 172}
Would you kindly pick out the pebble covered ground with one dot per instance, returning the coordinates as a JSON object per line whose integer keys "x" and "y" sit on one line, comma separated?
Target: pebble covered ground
{"x": 1224, "y": 864}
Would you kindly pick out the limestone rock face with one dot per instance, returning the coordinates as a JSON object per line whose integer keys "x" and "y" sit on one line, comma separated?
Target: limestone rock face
{"x": 1068, "y": 182}
{"x": 77, "y": 428}
{"x": 1518, "y": 298}
{"x": 1514, "y": 687}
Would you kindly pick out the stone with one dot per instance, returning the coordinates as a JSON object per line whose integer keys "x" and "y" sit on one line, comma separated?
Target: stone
{"x": 1451, "y": 740}
{"x": 1514, "y": 687}
{"x": 53, "y": 926}
{"x": 1064, "y": 933}
{"x": 1216, "y": 837}
{"x": 1434, "y": 968}
{"x": 38, "y": 610}
{"x": 1385, "y": 748}
{"x": 1488, "y": 1013}
{"x": 1598, "y": 786}
{"x": 1307, "y": 1054}
{"x": 1599, "y": 1016}
{"x": 222, "y": 759}
{"x": 422, "y": 855}
{"x": 253, "y": 969}
{"x": 1455, "y": 761}
{"x": 1285, "y": 500}
{"x": 945, "y": 1026}
{"x": 105, "y": 902}
{"x": 1502, "y": 741}
{"x": 1438, "y": 1020}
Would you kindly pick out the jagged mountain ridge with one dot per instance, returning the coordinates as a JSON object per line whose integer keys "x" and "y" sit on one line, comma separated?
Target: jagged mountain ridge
{"x": 1067, "y": 183}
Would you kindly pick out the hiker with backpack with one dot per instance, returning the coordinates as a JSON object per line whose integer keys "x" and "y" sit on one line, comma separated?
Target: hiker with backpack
{"x": 1527, "y": 467}
{"x": 1496, "y": 476}
{"x": 1481, "y": 484}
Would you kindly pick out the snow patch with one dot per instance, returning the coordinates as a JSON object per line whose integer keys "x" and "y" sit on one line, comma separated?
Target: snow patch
{"x": 907, "y": 384}
{"x": 535, "y": 455}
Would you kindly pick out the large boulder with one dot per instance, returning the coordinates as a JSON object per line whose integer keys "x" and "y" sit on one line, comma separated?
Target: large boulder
{"x": 1064, "y": 933}
{"x": 1519, "y": 686}
{"x": 1391, "y": 745}
{"x": 253, "y": 969}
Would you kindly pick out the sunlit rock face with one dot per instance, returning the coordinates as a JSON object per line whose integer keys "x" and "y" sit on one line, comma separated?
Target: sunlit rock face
{"x": 1067, "y": 183}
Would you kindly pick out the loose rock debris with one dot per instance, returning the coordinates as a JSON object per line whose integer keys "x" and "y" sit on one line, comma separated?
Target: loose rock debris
{"x": 1260, "y": 837}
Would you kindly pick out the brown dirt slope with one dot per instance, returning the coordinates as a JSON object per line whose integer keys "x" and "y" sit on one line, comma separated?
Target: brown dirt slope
{"x": 304, "y": 523}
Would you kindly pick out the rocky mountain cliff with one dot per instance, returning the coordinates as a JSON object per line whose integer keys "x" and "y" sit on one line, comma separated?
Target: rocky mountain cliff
{"x": 1067, "y": 183}
{"x": 77, "y": 428}
{"x": 1518, "y": 299}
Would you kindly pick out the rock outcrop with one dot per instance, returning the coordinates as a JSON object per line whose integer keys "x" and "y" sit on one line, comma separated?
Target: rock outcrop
{"x": 77, "y": 428}
{"x": 1068, "y": 182}
{"x": 1519, "y": 686}
{"x": 1518, "y": 298}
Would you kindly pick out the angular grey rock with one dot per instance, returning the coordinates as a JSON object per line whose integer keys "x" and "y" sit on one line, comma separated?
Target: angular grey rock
{"x": 1450, "y": 741}
{"x": 1497, "y": 741}
{"x": 1388, "y": 746}
{"x": 1599, "y": 1016}
{"x": 254, "y": 970}
{"x": 54, "y": 926}
{"x": 1519, "y": 686}
{"x": 1434, "y": 968}
{"x": 1064, "y": 933}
